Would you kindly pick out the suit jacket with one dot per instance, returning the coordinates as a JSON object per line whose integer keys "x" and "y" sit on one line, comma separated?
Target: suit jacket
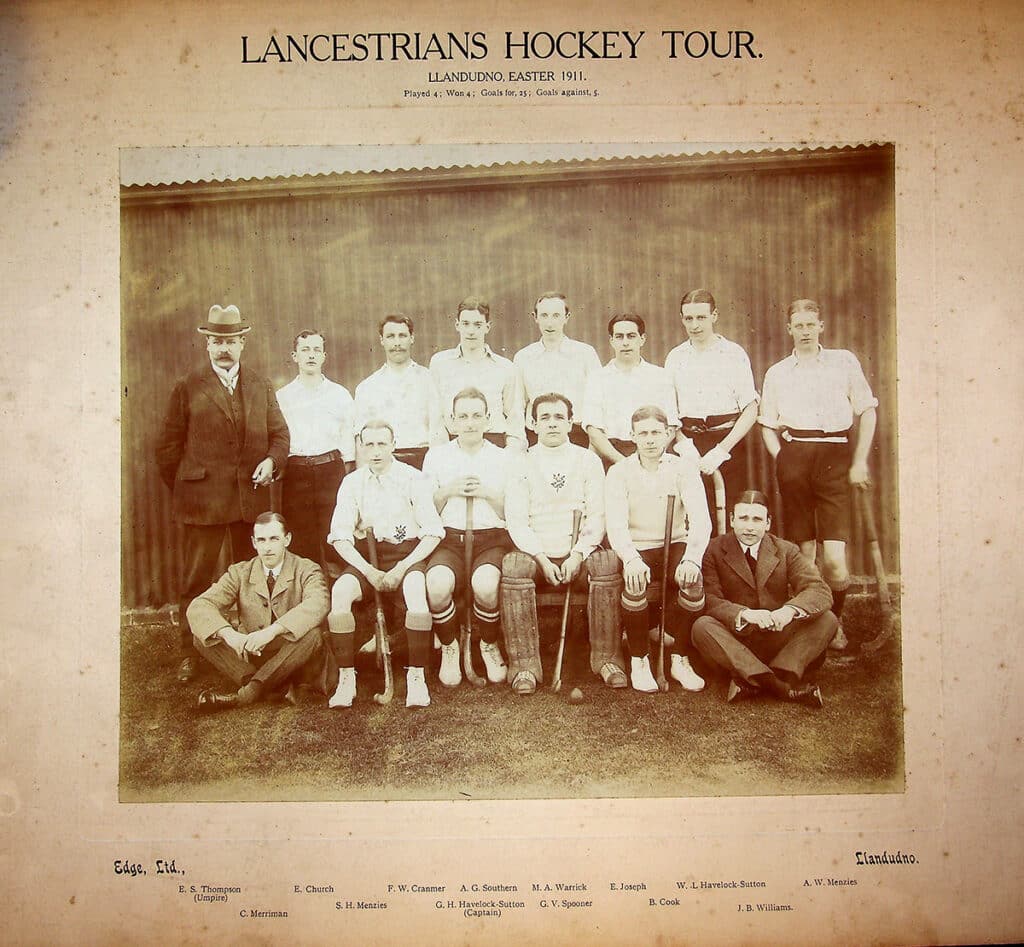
{"x": 784, "y": 577}
{"x": 300, "y": 601}
{"x": 206, "y": 460}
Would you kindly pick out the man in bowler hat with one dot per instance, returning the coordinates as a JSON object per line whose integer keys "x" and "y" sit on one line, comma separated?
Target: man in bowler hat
{"x": 223, "y": 441}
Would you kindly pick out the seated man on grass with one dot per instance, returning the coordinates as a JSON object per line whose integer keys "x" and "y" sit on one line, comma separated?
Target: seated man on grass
{"x": 281, "y": 600}
{"x": 767, "y": 620}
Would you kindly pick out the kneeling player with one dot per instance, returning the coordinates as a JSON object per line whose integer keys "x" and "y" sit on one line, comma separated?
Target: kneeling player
{"x": 553, "y": 479}
{"x": 468, "y": 478}
{"x": 635, "y": 506}
{"x": 394, "y": 500}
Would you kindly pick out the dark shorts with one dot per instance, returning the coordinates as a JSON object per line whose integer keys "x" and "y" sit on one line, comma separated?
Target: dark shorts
{"x": 387, "y": 555}
{"x": 489, "y": 548}
{"x": 815, "y": 488}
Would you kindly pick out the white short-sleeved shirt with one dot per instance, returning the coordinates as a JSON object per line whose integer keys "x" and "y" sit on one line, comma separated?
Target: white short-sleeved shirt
{"x": 407, "y": 399}
{"x": 823, "y": 392}
{"x": 613, "y": 395}
{"x": 716, "y": 380}
{"x": 494, "y": 375}
{"x": 445, "y": 462}
{"x": 564, "y": 370}
{"x": 320, "y": 418}
{"x": 398, "y": 505}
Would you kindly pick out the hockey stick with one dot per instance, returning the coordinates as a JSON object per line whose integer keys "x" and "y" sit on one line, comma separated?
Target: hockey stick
{"x": 670, "y": 509}
{"x": 719, "y": 484}
{"x": 466, "y": 631}
{"x": 556, "y": 679}
{"x": 381, "y": 632}
{"x": 881, "y": 578}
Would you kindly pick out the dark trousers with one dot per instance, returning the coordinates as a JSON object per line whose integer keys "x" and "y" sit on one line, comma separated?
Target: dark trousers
{"x": 733, "y": 471}
{"x": 789, "y": 653}
{"x": 310, "y": 495}
{"x": 638, "y": 615}
{"x": 281, "y": 661}
{"x": 201, "y": 548}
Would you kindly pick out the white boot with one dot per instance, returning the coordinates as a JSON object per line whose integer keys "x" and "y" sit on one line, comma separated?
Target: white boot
{"x": 451, "y": 671}
{"x": 346, "y": 690}
{"x": 640, "y": 675}
{"x": 685, "y": 674}
{"x": 416, "y": 693}
{"x": 497, "y": 669}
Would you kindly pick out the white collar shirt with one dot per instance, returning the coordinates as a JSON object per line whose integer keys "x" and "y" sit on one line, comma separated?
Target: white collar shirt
{"x": 407, "y": 399}
{"x": 716, "y": 380}
{"x": 819, "y": 393}
{"x": 613, "y": 394}
{"x": 398, "y": 505}
{"x": 493, "y": 374}
{"x": 446, "y": 462}
{"x": 563, "y": 369}
{"x": 227, "y": 377}
{"x": 320, "y": 418}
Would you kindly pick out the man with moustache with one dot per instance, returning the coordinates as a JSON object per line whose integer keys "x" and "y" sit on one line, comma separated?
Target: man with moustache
{"x": 319, "y": 413}
{"x": 809, "y": 403}
{"x": 766, "y": 622}
{"x": 473, "y": 364}
{"x": 403, "y": 393}
{"x": 395, "y": 501}
{"x": 281, "y": 599}
{"x": 554, "y": 363}
{"x": 223, "y": 441}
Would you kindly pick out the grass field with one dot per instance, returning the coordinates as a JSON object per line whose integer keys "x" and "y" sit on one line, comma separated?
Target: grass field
{"x": 488, "y": 743}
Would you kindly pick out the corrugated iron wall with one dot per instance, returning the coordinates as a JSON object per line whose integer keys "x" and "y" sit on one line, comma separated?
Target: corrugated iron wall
{"x": 337, "y": 259}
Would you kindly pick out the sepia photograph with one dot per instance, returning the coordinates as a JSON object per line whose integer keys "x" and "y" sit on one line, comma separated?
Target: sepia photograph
{"x": 580, "y": 374}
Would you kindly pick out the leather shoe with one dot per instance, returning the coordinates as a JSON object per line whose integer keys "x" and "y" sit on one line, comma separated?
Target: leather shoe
{"x": 187, "y": 669}
{"x": 809, "y": 695}
{"x": 613, "y": 676}
{"x": 739, "y": 690}
{"x": 209, "y": 700}
{"x": 524, "y": 684}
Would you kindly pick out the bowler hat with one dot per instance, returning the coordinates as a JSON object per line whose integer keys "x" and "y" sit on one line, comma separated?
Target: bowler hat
{"x": 224, "y": 320}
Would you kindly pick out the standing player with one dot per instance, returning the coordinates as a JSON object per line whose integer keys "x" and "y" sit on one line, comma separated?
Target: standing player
{"x": 808, "y": 406}
{"x": 635, "y": 500}
{"x": 468, "y": 467}
{"x": 626, "y": 383}
{"x": 473, "y": 364}
{"x": 554, "y": 363}
{"x": 553, "y": 479}
{"x": 394, "y": 500}
{"x": 319, "y": 415}
{"x": 715, "y": 391}
{"x": 223, "y": 440}
{"x": 403, "y": 393}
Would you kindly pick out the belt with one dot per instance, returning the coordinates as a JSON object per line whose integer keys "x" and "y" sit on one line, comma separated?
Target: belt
{"x": 460, "y": 534}
{"x": 805, "y": 434}
{"x": 713, "y": 422}
{"x": 316, "y": 459}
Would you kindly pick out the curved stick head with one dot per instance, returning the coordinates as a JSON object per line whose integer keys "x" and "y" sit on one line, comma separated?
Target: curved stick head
{"x": 383, "y": 698}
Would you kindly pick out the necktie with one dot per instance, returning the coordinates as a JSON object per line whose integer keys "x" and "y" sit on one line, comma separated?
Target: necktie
{"x": 270, "y": 583}
{"x": 752, "y": 562}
